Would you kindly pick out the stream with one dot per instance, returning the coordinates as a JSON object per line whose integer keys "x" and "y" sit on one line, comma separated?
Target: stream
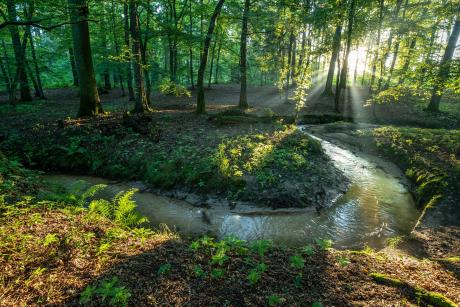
{"x": 377, "y": 206}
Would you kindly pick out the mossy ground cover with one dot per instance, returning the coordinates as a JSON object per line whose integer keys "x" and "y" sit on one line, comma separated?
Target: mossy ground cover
{"x": 64, "y": 251}
{"x": 430, "y": 158}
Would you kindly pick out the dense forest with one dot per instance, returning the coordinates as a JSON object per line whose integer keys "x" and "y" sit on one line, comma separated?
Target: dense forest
{"x": 235, "y": 153}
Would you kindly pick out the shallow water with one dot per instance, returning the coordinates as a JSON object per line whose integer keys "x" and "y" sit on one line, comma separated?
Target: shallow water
{"x": 377, "y": 206}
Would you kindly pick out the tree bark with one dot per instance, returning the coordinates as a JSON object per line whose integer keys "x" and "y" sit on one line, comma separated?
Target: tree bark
{"x": 444, "y": 68}
{"x": 39, "y": 93}
{"x": 200, "y": 104}
{"x": 335, "y": 53}
{"x": 6, "y": 70}
{"x": 18, "y": 54}
{"x": 216, "y": 73}
{"x": 243, "y": 103}
{"x": 129, "y": 75}
{"x": 117, "y": 49}
{"x": 376, "y": 56}
{"x": 212, "y": 60}
{"x": 344, "y": 73}
{"x": 73, "y": 67}
{"x": 90, "y": 103}
{"x": 141, "y": 104}
{"x": 190, "y": 50}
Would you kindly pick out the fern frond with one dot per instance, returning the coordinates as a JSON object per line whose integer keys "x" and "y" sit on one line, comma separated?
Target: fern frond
{"x": 101, "y": 207}
{"x": 90, "y": 192}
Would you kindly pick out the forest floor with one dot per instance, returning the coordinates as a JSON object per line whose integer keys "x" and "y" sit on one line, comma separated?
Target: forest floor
{"x": 56, "y": 252}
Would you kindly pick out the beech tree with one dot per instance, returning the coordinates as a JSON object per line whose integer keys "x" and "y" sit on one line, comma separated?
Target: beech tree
{"x": 200, "y": 103}
{"x": 243, "y": 103}
{"x": 90, "y": 103}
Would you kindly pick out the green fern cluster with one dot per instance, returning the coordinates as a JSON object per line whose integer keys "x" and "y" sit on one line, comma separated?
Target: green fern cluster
{"x": 121, "y": 209}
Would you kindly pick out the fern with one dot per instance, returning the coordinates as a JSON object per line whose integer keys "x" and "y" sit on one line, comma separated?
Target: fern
{"x": 121, "y": 209}
{"x": 101, "y": 207}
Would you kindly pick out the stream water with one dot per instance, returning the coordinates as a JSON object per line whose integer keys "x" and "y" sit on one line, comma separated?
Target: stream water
{"x": 377, "y": 206}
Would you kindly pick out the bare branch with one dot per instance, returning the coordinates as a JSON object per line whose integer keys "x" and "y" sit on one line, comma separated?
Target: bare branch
{"x": 36, "y": 24}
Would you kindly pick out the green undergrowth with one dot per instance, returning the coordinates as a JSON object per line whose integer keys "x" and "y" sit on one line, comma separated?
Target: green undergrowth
{"x": 234, "y": 163}
{"x": 428, "y": 156}
{"x": 21, "y": 108}
{"x": 61, "y": 247}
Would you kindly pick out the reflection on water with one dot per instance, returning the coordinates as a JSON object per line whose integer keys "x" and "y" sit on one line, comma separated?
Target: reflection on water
{"x": 377, "y": 206}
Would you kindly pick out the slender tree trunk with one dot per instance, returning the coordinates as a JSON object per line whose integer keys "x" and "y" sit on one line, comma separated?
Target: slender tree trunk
{"x": 444, "y": 68}
{"x": 392, "y": 65}
{"x": 8, "y": 75}
{"x": 390, "y": 42}
{"x": 376, "y": 56}
{"x": 117, "y": 49}
{"x": 32, "y": 77}
{"x": 190, "y": 50}
{"x": 18, "y": 54}
{"x": 344, "y": 73}
{"x": 369, "y": 47}
{"x": 201, "y": 105}
{"x": 334, "y": 56}
{"x": 73, "y": 66}
{"x": 129, "y": 75}
{"x": 337, "y": 86}
{"x": 302, "y": 49}
{"x": 40, "y": 92}
{"x": 243, "y": 103}
{"x": 90, "y": 103}
{"x": 289, "y": 67}
{"x": 144, "y": 47}
{"x": 216, "y": 73}
{"x": 355, "y": 74}
{"x": 141, "y": 104}
{"x": 5, "y": 76}
{"x": 213, "y": 53}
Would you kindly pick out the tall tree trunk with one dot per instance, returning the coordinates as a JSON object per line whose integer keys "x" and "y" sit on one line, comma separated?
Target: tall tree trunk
{"x": 18, "y": 54}
{"x": 289, "y": 67}
{"x": 376, "y": 56}
{"x": 344, "y": 73}
{"x": 243, "y": 103}
{"x": 117, "y": 49}
{"x": 337, "y": 85}
{"x": 335, "y": 53}
{"x": 32, "y": 77}
{"x": 73, "y": 66}
{"x": 213, "y": 53}
{"x": 392, "y": 65}
{"x": 444, "y": 68}
{"x": 355, "y": 74}
{"x": 390, "y": 42}
{"x": 302, "y": 49}
{"x": 40, "y": 92}
{"x": 216, "y": 73}
{"x": 129, "y": 75}
{"x": 190, "y": 49}
{"x": 144, "y": 45}
{"x": 90, "y": 103}
{"x": 6, "y": 70}
{"x": 141, "y": 104}
{"x": 200, "y": 104}
{"x": 369, "y": 47}
{"x": 395, "y": 50}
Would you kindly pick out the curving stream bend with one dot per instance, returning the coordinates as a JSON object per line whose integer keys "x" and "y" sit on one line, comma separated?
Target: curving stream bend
{"x": 377, "y": 206}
